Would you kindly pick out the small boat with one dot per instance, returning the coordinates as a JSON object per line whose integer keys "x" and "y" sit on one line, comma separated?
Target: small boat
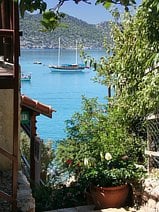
{"x": 37, "y": 62}
{"x": 25, "y": 77}
{"x": 67, "y": 67}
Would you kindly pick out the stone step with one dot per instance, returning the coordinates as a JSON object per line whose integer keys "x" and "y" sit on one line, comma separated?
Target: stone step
{"x": 90, "y": 208}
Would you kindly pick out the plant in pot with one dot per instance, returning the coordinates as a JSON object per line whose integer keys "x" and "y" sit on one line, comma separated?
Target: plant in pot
{"x": 110, "y": 180}
{"x": 100, "y": 152}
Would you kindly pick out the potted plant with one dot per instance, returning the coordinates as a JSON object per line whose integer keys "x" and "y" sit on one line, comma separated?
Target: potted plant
{"x": 110, "y": 180}
{"x": 100, "y": 152}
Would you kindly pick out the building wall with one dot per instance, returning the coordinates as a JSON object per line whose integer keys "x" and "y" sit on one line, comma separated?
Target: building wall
{"x": 6, "y": 125}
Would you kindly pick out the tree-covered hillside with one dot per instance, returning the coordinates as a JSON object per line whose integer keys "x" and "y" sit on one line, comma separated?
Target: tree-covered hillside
{"x": 89, "y": 35}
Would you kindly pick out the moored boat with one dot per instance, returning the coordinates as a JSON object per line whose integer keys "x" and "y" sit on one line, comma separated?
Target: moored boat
{"x": 25, "y": 77}
{"x": 67, "y": 67}
{"x": 37, "y": 62}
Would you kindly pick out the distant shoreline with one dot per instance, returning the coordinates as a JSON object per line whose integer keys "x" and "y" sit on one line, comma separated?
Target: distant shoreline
{"x": 88, "y": 36}
{"x": 37, "y": 48}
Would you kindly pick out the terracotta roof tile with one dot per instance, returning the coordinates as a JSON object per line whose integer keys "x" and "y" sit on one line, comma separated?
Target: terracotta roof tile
{"x": 36, "y": 106}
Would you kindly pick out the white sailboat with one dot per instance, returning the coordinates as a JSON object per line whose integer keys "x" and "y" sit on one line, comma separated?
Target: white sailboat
{"x": 67, "y": 67}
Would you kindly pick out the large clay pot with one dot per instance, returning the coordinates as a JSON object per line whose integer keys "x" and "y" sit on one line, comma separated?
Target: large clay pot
{"x": 110, "y": 197}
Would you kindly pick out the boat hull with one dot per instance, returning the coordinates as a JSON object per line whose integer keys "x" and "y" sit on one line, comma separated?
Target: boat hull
{"x": 26, "y": 77}
{"x": 66, "y": 68}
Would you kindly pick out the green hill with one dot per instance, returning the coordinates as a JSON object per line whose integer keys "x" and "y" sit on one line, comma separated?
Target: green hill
{"x": 89, "y": 35}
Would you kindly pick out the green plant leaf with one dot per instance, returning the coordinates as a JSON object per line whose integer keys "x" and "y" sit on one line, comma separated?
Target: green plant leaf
{"x": 107, "y": 5}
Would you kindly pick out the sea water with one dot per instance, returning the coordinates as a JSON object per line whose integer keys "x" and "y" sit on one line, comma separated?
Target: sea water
{"x": 62, "y": 91}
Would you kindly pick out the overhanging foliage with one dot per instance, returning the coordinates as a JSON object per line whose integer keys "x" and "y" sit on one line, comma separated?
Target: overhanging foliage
{"x": 52, "y": 17}
{"x": 133, "y": 64}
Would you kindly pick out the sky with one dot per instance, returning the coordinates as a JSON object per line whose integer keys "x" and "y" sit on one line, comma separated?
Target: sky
{"x": 91, "y": 13}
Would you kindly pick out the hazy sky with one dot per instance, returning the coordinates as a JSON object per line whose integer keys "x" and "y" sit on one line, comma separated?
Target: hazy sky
{"x": 92, "y": 14}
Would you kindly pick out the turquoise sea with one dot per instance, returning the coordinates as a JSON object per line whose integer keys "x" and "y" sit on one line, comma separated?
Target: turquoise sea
{"x": 62, "y": 91}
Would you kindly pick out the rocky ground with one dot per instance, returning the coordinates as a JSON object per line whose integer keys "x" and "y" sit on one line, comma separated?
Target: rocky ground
{"x": 150, "y": 197}
{"x": 25, "y": 202}
{"x": 5, "y": 186}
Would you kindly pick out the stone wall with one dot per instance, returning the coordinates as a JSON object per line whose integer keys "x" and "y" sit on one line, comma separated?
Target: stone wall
{"x": 25, "y": 201}
{"x": 150, "y": 197}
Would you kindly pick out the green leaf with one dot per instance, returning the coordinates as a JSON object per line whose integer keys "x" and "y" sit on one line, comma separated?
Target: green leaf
{"x": 100, "y": 2}
{"x": 22, "y": 7}
{"x": 133, "y": 1}
{"x": 107, "y": 5}
{"x": 158, "y": 7}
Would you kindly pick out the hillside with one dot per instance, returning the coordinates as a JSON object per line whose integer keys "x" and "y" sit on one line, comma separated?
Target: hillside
{"x": 89, "y": 35}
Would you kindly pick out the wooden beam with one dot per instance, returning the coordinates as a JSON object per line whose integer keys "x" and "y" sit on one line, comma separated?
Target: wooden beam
{"x": 7, "y": 154}
{"x": 32, "y": 146}
{"x": 16, "y": 124}
{"x": 5, "y": 196}
{"x": 6, "y": 32}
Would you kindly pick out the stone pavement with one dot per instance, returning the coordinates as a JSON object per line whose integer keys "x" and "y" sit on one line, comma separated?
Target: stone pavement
{"x": 90, "y": 208}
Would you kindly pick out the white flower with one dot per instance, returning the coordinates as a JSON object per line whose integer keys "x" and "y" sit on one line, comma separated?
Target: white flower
{"x": 86, "y": 161}
{"x": 108, "y": 156}
{"x": 51, "y": 172}
{"x": 138, "y": 166}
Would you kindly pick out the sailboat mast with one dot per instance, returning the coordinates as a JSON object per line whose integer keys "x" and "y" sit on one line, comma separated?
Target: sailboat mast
{"x": 59, "y": 52}
{"x": 76, "y": 54}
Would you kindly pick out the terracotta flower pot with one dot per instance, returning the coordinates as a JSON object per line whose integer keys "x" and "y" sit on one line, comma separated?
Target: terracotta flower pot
{"x": 110, "y": 197}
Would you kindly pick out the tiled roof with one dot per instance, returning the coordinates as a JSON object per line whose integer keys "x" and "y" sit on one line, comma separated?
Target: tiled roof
{"x": 36, "y": 106}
